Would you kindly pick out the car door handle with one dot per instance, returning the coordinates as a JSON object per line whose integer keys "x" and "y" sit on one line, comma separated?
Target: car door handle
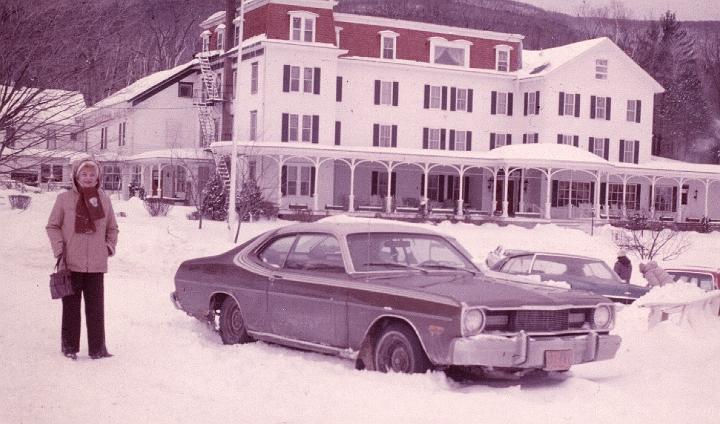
{"x": 275, "y": 277}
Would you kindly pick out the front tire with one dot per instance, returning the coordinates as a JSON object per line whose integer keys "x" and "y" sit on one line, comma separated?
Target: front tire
{"x": 232, "y": 325}
{"x": 398, "y": 350}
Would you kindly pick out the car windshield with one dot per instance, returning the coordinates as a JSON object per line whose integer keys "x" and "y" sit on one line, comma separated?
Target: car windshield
{"x": 398, "y": 251}
{"x": 583, "y": 268}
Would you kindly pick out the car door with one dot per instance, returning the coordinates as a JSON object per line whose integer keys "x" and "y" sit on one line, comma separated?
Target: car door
{"x": 307, "y": 293}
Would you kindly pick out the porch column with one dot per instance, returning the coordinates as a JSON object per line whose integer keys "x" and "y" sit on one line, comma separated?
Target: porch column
{"x": 460, "y": 200}
{"x": 548, "y": 196}
{"x": 388, "y": 198}
{"x": 652, "y": 198}
{"x": 494, "y": 192}
{"x": 607, "y": 196}
{"x": 316, "y": 196}
{"x": 624, "y": 197}
{"x": 425, "y": 191}
{"x": 707, "y": 193}
{"x": 678, "y": 202}
{"x": 351, "y": 196}
{"x": 279, "y": 176}
{"x": 596, "y": 200}
{"x": 522, "y": 191}
{"x": 570, "y": 195}
{"x": 505, "y": 202}
{"x": 160, "y": 179}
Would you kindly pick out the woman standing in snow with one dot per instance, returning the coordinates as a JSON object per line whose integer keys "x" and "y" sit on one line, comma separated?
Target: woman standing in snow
{"x": 623, "y": 266}
{"x": 655, "y": 275}
{"x": 82, "y": 222}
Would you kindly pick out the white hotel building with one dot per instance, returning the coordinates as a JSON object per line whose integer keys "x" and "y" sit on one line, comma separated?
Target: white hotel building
{"x": 371, "y": 115}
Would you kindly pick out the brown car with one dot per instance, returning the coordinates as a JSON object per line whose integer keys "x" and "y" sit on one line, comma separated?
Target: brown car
{"x": 391, "y": 298}
{"x": 706, "y": 278}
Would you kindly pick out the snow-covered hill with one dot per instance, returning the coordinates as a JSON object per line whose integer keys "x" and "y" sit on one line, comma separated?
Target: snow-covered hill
{"x": 170, "y": 368}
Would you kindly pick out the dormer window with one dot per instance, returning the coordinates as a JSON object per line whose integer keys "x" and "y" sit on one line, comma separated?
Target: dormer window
{"x": 220, "y": 34}
{"x": 601, "y": 69}
{"x": 236, "y": 32}
{"x": 337, "y": 36}
{"x": 302, "y": 26}
{"x": 444, "y": 52}
{"x": 205, "y": 40}
{"x": 388, "y": 44}
{"x": 502, "y": 58}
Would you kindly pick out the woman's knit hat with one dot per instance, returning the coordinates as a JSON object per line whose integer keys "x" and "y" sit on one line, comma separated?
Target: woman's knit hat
{"x": 87, "y": 163}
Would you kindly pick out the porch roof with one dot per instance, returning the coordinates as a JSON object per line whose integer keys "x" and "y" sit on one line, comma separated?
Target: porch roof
{"x": 187, "y": 153}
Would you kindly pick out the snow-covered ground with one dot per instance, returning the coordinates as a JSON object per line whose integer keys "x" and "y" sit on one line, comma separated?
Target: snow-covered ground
{"x": 170, "y": 368}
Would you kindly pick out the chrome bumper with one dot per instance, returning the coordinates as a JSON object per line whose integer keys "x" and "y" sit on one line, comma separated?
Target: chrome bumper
{"x": 175, "y": 301}
{"x": 523, "y": 351}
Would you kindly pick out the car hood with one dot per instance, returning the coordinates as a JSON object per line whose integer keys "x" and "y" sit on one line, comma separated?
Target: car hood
{"x": 481, "y": 290}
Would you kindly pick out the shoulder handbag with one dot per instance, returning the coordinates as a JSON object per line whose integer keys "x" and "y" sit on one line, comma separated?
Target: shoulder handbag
{"x": 60, "y": 281}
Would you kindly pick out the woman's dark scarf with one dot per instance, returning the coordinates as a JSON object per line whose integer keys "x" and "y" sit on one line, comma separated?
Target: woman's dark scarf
{"x": 88, "y": 210}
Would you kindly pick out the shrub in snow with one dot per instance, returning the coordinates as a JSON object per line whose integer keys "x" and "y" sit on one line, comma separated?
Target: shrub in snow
{"x": 157, "y": 206}
{"x": 215, "y": 200}
{"x": 650, "y": 241}
{"x": 249, "y": 201}
{"x": 19, "y": 201}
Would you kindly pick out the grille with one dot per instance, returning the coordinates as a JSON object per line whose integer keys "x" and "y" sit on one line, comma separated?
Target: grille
{"x": 540, "y": 321}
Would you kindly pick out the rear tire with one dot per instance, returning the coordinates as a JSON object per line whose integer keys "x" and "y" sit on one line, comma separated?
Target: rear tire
{"x": 399, "y": 350}
{"x": 232, "y": 325}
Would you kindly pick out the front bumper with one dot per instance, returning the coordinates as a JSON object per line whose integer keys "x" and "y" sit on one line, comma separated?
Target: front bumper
{"x": 175, "y": 301}
{"x": 523, "y": 351}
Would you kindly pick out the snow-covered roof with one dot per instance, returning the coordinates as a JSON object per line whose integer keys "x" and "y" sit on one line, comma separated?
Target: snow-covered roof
{"x": 37, "y": 153}
{"x": 143, "y": 84}
{"x": 54, "y": 106}
{"x": 187, "y": 153}
{"x": 660, "y": 163}
{"x": 541, "y": 62}
{"x": 546, "y": 152}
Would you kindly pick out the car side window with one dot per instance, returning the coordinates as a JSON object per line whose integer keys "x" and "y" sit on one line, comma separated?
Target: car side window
{"x": 316, "y": 252}
{"x": 517, "y": 265}
{"x": 274, "y": 254}
{"x": 704, "y": 281}
{"x": 546, "y": 266}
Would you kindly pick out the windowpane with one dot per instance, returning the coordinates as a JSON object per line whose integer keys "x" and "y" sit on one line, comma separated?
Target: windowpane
{"x": 449, "y": 55}
{"x": 294, "y": 78}
{"x": 254, "y": 78}
{"x": 502, "y": 103}
{"x": 569, "y": 104}
{"x": 532, "y": 103}
{"x": 385, "y": 136}
{"x": 293, "y": 128}
{"x": 460, "y": 140}
{"x": 435, "y": 97}
{"x": 304, "y": 181}
{"x": 599, "y": 147}
{"x": 461, "y": 99}
{"x": 600, "y": 108}
{"x": 307, "y": 128}
{"x": 601, "y": 68}
{"x": 309, "y": 26}
{"x": 503, "y": 59}
{"x": 291, "y": 180}
{"x": 388, "y": 48}
{"x": 631, "y": 110}
{"x": 386, "y": 93}
{"x": 434, "y": 138}
{"x": 308, "y": 80}
{"x": 296, "y": 28}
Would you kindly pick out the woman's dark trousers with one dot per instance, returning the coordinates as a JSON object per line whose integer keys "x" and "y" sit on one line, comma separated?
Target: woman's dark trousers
{"x": 90, "y": 286}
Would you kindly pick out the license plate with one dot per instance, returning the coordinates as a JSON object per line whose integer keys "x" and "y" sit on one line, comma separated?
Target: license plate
{"x": 558, "y": 360}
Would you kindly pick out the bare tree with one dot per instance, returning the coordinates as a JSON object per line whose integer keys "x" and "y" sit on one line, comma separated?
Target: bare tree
{"x": 651, "y": 241}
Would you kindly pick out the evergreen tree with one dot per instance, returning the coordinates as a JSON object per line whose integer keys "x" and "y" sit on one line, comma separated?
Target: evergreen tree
{"x": 215, "y": 199}
{"x": 249, "y": 199}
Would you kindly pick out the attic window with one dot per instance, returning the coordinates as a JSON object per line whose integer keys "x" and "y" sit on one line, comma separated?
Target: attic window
{"x": 205, "y": 40}
{"x": 388, "y": 44}
{"x": 185, "y": 89}
{"x": 302, "y": 25}
{"x": 220, "y": 34}
{"x": 444, "y": 52}
{"x": 601, "y": 69}
{"x": 502, "y": 58}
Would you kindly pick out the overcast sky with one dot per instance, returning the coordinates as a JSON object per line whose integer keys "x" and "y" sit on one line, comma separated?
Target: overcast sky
{"x": 685, "y": 10}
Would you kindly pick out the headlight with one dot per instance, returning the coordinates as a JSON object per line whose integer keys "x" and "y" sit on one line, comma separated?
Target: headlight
{"x": 603, "y": 317}
{"x": 473, "y": 321}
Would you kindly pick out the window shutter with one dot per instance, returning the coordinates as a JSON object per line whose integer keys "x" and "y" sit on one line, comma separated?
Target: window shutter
{"x": 537, "y": 102}
{"x": 338, "y": 131}
{"x": 608, "y": 104}
{"x": 637, "y": 110}
{"x": 425, "y": 138}
{"x": 524, "y": 138}
{"x": 470, "y": 100}
{"x": 537, "y": 138}
{"x": 441, "y": 187}
{"x": 559, "y": 139}
{"x": 593, "y": 99}
{"x": 638, "y": 192}
{"x": 468, "y": 141}
{"x": 493, "y": 103}
{"x": 312, "y": 181}
{"x": 606, "y": 149}
{"x": 492, "y": 141}
{"x": 577, "y": 105}
{"x": 422, "y": 185}
{"x": 377, "y": 92}
{"x": 453, "y": 97}
{"x": 338, "y": 89}
{"x": 510, "y": 104}
{"x": 637, "y": 151}
{"x": 591, "y": 145}
{"x": 376, "y": 135}
{"x": 509, "y": 139}
{"x": 674, "y": 199}
{"x": 426, "y": 101}
{"x": 576, "y": 141}
{"x": 621, "y": 156}
{"x": 466, "y": 189}
{"x": 393, "y": 141}
{"x": 451, "y": 144}
{"x": 651, "y": 201}
{"x": 525, "y": 104}
{"x": 442, "y": 139}
{"x": 603, "y": 188}
{"x": 396, "y": 93}
{"x": 373, "y": 183}
{"x": 315, "y": 128}
{"x": 286, "y": 78}
{"x": 392, "y": 183}
{"x": 285, "y": 119}
{"x": 444, "y": 97}
{"x": 316, "y": 81}
{"x": 283, "y": 180}
{"x": 561, "y": 109}
{"x": 554, "y": 198}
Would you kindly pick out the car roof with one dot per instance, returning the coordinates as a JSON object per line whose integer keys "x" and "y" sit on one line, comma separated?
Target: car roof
{"x": 344, "y": 228}
{"x": 702, "y": 268}
{"x": 512, "y": 253}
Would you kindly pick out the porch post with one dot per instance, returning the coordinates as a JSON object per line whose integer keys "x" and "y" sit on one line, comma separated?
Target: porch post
{"x": 522, "y": 191}
{"x": 596, "y": 200}
{"x": 652, "y": 198}
{"x": 279, "y": 178}
{"x": 316, "y": 196}
{"x": 607, "y": 196}
{"x": 460, "y": 200}
{"x": 351, "y": 196}
{"x": 548, "y": 196}
{"x": 388, "y": 199}
{"x": 505, "y": 202}
{"x": 707, "y": 193}
{"x": 624, "y": 197}
{"x": 494, "y": 192}
{"x": 678, "y": 202}
{"x": 160, "y": 179}
{"x": 425, "y": 191}
{"x": 570, "y": 196}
